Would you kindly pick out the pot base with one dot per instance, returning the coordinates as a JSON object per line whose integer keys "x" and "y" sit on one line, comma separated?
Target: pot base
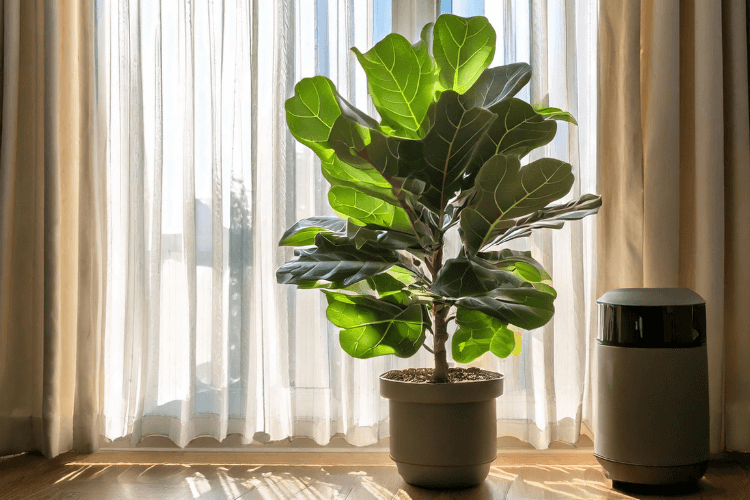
{"x": 443, "y": 477}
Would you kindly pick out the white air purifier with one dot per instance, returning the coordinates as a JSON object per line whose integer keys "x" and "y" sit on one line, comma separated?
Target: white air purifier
{"x": 651, "y": 404}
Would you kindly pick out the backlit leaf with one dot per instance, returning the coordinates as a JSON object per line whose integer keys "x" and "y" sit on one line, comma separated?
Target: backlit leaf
{"x": 401, "y": 80}
{"x": 303, "y": 231}
{"x": 373, "y": 327}
{"x": 463, "y": 48}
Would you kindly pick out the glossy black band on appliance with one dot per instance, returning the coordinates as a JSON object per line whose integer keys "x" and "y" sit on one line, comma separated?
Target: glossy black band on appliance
{"x": 652, "y": 326}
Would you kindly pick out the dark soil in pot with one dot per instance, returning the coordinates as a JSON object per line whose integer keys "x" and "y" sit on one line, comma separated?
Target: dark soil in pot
{"x": 424, "y": 375}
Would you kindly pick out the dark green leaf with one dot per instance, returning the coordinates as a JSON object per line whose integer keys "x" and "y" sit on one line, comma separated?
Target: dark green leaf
{"x": 497, "y": 84}
{"x": 303, "y": 231}
{"x": 509, "y": 260}
{"x": 462, "y": 277}
{"x": 463, "y": 48}
{"x": 381, "y": 237}
{"x": 439, "y": 160}
{"x": 526, "y": 308}
{"x": 517, "y": 131}
{"x": 552, "y": 217}
{"x": 401, "y": 80}
{"x": 505, "y": 191}
{"x": 373, "y": 327}
{"x": 448, "y": 147}
{"x": 336, "y": 260}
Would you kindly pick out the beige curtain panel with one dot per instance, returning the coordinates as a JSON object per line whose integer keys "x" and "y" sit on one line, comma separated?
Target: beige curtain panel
{"x": 52, "y": 199}
{"x": 674, "y": 173}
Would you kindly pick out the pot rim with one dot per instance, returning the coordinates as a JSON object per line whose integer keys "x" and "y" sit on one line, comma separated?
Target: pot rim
{"x": 470, "y": 391}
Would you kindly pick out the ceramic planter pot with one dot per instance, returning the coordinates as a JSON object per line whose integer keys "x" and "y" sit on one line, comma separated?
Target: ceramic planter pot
{"x": 443, "y": 435}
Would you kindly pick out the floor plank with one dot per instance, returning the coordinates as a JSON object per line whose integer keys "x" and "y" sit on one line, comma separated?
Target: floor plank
{"x": 328, "y": 476}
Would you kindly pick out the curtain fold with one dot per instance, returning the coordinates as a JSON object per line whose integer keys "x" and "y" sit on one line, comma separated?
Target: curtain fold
{"x": 673, "y": 160}
{"x": 51, "y": 229}
{"x": 204, "y": 178}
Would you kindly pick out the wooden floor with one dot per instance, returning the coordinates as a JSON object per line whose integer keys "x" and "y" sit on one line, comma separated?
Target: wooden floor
{"x": 114, "y": 475}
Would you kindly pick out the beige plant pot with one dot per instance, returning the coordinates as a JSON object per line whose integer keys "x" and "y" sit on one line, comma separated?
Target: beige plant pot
{"x": 443, "y": 435}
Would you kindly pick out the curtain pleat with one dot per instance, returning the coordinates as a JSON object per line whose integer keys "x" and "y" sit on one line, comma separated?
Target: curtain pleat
{"x": 52, "y": 181}
{"x": 674, "y": 149}
{"x": 229, "y": 350}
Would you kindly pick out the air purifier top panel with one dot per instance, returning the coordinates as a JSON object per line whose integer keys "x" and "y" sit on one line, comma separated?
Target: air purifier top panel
{"x": 658, "y": 297}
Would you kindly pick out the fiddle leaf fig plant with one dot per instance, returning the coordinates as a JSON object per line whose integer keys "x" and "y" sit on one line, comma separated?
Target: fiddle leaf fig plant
{"x": 448, "y": 152}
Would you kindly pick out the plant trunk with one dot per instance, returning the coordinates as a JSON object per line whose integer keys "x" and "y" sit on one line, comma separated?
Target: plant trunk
{"x": 439, "y": 324}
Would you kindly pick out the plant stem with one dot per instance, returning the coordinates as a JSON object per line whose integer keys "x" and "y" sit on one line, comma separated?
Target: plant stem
{"x": 440, "y": 325}
{"x": 439, "y": 322}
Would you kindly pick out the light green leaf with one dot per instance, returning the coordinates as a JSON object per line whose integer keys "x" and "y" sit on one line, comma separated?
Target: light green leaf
{"x": 519, "y": 340}
{"x": 368, "y": 181}
{"x": 503, "y": 342}
{"x": 478, "y": 333}
{"x": 556, "y": 114}
{"x": 373, "y": 327}
{"x": 313, "y": 109}
{"x": 505, "y": 191}
{"x": 401, "y": 81}
{"x": 365, "y": 209}
{"x": 546, "y": 288}
{"x": 497, "y": 84}
{"x": 526, "y": 308}
{"x": 463, "y": 48}
{"x": 303, "y": 231}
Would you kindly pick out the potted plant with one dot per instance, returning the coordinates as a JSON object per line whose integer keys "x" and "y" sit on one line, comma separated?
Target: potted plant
{"x": 446, "y": 154}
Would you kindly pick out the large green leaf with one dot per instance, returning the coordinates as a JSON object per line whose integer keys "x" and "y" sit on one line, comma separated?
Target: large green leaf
{"x": 448, "y": 147}
{"x": 336, "y": 260}
{"x": 517, "y": 131}
{"x": 368, "y": 181}
{"x": 303, "y": 231}
{"x": 556, "y": 114}
{"x": 520, "y": 263}
{"x": 382, "y": 237}
{"x": 505, "y": 191}
{"x": 439, "y": 160}
{"x": 462, "y": 277}
{"x": 463, "y": 48}
{"x": 401, "y": 80}
{"x": 373, "y": 327}
{"x": 497, "y": 84}
{"x": 478, "y": 333}
{"x": 526, "y": 308}
{"x": 312, "y": 111}
{"x": 552, "y": 217}
{"x": 321, "y": 119}
{"x": 365, "y": 209}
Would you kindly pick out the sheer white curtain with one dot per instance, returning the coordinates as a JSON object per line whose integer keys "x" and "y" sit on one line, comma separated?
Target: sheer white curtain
{"x": 204, "y": 178}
